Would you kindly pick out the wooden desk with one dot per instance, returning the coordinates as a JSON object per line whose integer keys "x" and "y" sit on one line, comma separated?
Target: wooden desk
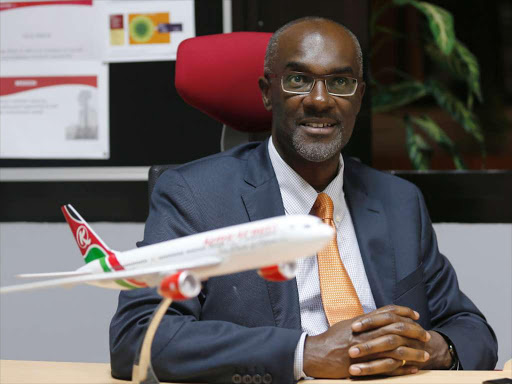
{"x": 44, "y": 372}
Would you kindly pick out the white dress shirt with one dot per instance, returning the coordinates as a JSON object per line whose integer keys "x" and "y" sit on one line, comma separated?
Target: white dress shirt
{"x": 298, "y": 198}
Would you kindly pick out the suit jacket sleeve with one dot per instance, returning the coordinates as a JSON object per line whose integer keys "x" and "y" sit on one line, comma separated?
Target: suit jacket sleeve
{"x": 186, "y": 348}
{"x": 452, "y": 313}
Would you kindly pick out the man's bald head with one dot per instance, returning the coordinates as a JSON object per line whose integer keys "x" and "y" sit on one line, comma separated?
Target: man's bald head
{"x": 272, "y": 46}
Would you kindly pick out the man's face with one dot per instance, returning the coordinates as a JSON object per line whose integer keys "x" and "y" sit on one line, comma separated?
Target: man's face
{"x": 316, "y": 126}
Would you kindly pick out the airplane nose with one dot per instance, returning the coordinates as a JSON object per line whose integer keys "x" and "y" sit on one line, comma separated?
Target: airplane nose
{"x": 325, "y": 231}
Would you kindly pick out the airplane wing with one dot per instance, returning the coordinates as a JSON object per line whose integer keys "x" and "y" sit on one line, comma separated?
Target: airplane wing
{"x": 51, "y": 274}
{"x": 153, "y": 272}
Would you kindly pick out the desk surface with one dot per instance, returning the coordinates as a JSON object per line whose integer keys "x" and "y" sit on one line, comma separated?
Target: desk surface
{"x": 44, "y": 372}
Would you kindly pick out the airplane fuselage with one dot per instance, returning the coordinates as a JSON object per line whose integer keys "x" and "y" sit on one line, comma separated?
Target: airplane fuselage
{"x": 233, "y": 249}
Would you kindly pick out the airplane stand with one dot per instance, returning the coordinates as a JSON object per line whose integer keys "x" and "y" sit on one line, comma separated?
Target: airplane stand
{"x": 142, "y": 372}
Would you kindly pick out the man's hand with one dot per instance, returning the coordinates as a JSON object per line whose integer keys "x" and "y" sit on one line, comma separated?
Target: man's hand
{"x": 435, "y": 349}
{"x": 375, "y": 343}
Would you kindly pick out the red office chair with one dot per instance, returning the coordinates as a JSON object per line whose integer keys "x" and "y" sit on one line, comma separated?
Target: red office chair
{"x": 218, "y": 74}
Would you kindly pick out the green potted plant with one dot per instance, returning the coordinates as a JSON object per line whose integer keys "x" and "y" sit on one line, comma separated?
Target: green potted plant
{"x": 443, "y": 49}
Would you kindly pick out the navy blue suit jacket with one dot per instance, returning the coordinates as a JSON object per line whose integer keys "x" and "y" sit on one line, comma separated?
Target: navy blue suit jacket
{"x": 242, "y": 324}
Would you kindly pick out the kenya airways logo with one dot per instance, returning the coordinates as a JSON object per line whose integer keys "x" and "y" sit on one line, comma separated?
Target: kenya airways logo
{"x": 82, "y": 237}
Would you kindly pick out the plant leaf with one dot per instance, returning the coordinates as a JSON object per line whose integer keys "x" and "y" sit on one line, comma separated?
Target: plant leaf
{"x": 469, "y": 101}
{"x": 389, "y": 31}
{"x": 473, "y": 69}
{"x": 458, "y": 162}
{"x": 461, "y": 63}
{"x": 387, "y": 98}
{"x": 434, "y": 131}
{"x": 457, "y": 110}
{"x": 420, "y": 153}
{"x": 440, "y": 22}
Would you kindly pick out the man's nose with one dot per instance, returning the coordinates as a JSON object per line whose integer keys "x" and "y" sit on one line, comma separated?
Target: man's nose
{"x": 319, "y": 98}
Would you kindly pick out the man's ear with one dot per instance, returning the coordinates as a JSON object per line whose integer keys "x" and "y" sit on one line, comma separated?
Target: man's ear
{"x": 361, "y": 88}
{"x": 264, "y": 85}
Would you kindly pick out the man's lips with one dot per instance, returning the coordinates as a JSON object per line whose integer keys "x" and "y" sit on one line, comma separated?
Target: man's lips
{"x": 318, "y": 122}
{"x": 319, "y": 126}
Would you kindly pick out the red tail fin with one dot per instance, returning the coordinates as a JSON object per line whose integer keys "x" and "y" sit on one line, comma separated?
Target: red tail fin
{"x": 90, "y": 244}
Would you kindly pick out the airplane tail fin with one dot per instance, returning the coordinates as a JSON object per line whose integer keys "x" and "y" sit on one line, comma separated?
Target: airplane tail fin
{"x": 90, "y": 244}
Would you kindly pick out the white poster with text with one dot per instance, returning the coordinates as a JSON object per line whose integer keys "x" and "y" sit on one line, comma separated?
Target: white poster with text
{"x": 49, "y": 30}
{"x": 58, "y": 111}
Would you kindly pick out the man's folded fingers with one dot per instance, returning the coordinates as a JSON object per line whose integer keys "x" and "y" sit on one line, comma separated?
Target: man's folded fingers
{"x": 373, "y": 346}
{"x": 375, "y": 367}
{"x": 376, "y": 320}
{"x": 405, "y": 353}
{"x": 403, "y": 328}
{"x": 400, "y": 311}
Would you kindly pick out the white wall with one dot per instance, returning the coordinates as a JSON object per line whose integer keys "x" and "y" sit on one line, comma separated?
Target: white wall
{"x": 482, "y": 257}
{"x": 55, "y": 324}
{"x": 72, "y": 324}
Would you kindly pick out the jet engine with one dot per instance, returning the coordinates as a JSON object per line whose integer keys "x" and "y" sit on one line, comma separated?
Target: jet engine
{"x": 280, "y": 272}
{"x": 183, "y": 285}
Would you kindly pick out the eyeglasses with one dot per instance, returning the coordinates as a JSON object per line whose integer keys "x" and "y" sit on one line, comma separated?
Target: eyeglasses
{"x": 301, "y": 83}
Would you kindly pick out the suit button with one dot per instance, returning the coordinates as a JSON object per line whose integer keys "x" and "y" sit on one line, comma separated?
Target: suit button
{"x": 256, "y": 379}
{"x": 247, "y": 379}
{"x": 267, "y": 379}
{"x": 237, "y": 379}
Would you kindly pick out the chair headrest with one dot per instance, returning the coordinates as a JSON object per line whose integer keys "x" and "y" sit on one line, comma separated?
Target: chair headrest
{"x": 218, "y": 74}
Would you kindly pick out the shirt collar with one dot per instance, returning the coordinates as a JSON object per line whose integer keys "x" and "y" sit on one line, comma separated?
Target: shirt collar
{"x": 298, "y": 196}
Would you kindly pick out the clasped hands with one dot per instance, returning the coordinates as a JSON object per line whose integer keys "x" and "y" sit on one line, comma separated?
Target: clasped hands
{"x": 387, "y": 341}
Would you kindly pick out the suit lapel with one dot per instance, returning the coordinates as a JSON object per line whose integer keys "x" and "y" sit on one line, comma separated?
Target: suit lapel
{"x": 371, "y": 227}
{"x": 263, "y": 200}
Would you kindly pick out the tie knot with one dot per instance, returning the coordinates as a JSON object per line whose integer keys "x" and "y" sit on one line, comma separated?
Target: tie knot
{"x": 323, "y": 207}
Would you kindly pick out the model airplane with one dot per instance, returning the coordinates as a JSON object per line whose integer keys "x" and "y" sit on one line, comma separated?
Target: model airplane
{"x": 176, "y": 267}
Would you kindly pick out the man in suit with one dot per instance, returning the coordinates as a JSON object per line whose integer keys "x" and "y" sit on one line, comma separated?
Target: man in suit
{"x": 408, "y": 312}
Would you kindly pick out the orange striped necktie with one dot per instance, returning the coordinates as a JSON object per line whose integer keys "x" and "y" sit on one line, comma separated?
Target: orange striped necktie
{"x": 339, "y": 296}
